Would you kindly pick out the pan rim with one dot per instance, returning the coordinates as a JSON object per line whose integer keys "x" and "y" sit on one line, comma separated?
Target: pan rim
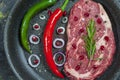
{"x": 5, "y": 41}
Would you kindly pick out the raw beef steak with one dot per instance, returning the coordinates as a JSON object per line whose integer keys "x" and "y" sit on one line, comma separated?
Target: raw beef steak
{"x": 78, "y": 66}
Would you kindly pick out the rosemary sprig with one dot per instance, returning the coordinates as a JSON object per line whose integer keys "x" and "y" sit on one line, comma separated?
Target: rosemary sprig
{"x": 89, "y": 39}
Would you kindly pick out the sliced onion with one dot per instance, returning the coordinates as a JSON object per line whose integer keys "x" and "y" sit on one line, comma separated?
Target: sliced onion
{"x": 34, "y": 42}
{"x": 42, "y": 17}
{"x": 64, "y": 20}
{"x": 63, "y": 30}
{"x": 38, "y": 26}
{"x": 54, "y": 57}
{"x": 30, "y": 60}
{"x": 60, "y": 46}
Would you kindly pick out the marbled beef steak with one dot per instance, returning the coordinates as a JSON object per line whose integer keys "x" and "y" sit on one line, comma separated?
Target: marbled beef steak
{"x": 78, "y": 66}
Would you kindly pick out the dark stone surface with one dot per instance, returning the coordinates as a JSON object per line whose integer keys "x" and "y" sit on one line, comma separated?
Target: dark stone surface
{"x": 5, "y": 70}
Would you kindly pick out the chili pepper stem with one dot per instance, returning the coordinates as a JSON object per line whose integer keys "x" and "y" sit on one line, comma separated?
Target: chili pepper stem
{"x": 64, "y": 5}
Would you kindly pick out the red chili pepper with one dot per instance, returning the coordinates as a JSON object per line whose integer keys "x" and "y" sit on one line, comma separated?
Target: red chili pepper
{"x": 48, "y": 35}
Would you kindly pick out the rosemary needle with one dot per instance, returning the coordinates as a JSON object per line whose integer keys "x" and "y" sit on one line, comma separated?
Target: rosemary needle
{"x": 90, "y": 44}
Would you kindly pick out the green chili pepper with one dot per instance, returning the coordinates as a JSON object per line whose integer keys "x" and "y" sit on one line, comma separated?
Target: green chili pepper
{"x": 26, "y": 21}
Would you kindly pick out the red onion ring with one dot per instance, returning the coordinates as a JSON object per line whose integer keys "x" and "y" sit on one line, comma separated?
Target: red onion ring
{"x": 58, "y": 39}
{"x": 36, "y": 24}
{"x": 63, "y": 30}
{"x": 33, "y": 42}
{"x": 64, "y": 59}
{"x": 65, "y": 20}
{"x": 30, "y": 62}
{"x": 42, "y": 17}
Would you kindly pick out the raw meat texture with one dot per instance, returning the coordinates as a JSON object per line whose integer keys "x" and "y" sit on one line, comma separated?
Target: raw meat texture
{"x": 77, "y": 65}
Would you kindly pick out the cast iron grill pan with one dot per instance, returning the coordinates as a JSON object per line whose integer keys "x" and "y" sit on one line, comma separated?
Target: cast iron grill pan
{"x": 17, "y": 56}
